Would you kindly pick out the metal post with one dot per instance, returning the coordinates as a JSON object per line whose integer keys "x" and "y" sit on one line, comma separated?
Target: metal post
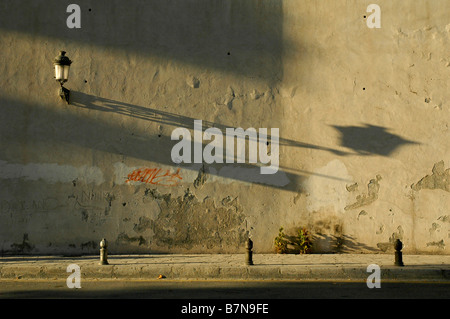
{"x": 103, "y": 252}
{"x": 398, "y": 245}
{"x": 249, "y": 254}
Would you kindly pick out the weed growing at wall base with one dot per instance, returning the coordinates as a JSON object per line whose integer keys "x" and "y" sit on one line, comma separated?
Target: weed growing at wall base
{"x": 301, "y": 242}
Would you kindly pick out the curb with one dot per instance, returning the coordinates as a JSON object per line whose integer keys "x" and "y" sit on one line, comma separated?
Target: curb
{"x": 213, "y": 272}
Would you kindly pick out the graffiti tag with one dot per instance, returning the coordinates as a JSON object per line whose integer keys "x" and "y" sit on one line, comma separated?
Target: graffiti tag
{"x": 155, "y": 176}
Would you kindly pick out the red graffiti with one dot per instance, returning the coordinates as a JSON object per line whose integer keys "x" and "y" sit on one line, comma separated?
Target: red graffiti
{"x": 155, "y": 176}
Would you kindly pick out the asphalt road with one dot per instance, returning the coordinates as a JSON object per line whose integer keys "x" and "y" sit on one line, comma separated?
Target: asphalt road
{"x": 233, "y": 290}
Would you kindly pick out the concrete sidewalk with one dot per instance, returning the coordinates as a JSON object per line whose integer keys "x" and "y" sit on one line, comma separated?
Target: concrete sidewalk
{"x": 337, "y": 267}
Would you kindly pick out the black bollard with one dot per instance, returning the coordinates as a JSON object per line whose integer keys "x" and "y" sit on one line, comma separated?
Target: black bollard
{"x": 103, "y": 252}
{"x": 398, "y": 245}
{"x": 249, "y": 254}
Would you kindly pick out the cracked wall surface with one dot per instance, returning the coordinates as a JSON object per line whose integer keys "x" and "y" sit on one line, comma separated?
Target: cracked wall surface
{"x": 440, "y": 179}
{"x": 363, "y": 119}
{"x": 190, "y": 223}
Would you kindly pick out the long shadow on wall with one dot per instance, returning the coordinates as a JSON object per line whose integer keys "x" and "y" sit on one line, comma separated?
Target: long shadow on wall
{"x": 52, "y": 133}
{"x": 175, "y": 120}
{"x": 246, "y": 172}
{"x": 370, "y": 139}
{"x": 286, "y": 178}
{"x": 364, "y": 141}
{"x": 242, "y": 37}
{"x": 57, "y": 136}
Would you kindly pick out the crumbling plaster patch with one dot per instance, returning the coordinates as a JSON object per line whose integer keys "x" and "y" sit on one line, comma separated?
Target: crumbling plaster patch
{"x": 440, "y": 179}
{"x": 365, "y": 199}
{"x": 187, "y": 222}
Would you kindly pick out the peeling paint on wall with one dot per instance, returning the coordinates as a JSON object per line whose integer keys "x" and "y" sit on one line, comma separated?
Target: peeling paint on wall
{"x": 380, "y": 230}
{"x": 188, "y": 222}
{"x": 352, "y": 187}
{"x": 144, "y": 224}
{"x": 388, "y": 246}
{"x": 445, "y": 218}
{"x": 362, "y": 213}
{"x": 365, "y": 199}
{"x": 440, "y": 179}
{"x": 439, "y": 244}
{"x": 434, "y": 227}
{"x": 124, "y": 238}
{"x": 201, "y": 177}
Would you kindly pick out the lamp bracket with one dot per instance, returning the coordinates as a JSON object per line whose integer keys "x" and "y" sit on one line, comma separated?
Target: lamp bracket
{"x": 64, "y": 94}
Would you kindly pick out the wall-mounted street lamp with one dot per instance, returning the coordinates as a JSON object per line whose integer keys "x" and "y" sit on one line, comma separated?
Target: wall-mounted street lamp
{"x": 62, "y": 66}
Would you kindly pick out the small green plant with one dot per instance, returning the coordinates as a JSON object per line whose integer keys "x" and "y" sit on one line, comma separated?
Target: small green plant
{"x": 301, "y": 242}
{"x": 280, "y": 242}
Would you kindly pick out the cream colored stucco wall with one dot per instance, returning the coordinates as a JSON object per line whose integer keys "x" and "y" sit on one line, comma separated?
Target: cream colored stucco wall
{"x": 362, "y": 114}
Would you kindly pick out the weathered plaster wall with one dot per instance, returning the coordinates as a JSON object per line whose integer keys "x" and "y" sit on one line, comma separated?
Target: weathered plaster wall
{"x": 363, "y": 118}
{"x": 371, "y": 107}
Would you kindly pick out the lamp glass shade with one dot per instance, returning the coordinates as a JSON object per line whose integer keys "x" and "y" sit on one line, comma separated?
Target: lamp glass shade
{"x": 59, "y": 72}
{"x": 66, "y": 72}
{"x": 62, "y": 66}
